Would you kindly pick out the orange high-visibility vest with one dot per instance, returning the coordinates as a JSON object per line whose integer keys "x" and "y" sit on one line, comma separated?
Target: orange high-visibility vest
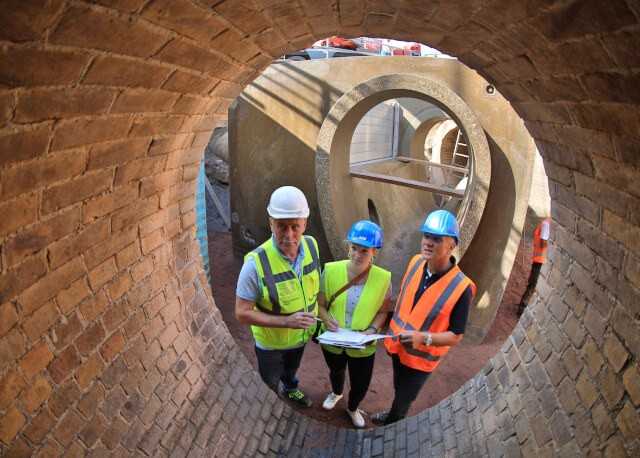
{"x": 430, "y": 314}
{"x": 539, "y": 245}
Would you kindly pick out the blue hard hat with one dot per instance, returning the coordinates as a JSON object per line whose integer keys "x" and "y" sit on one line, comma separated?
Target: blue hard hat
{"x": 441, "y": 222}
{"x": 366, "y": 233}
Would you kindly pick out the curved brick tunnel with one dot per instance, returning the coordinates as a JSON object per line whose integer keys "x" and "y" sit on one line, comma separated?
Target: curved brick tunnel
{"x": 110, "y": 341}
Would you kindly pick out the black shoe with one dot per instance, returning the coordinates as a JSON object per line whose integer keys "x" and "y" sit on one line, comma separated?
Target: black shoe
{"x": 379, "y": 418}
{"x": 296, "y": 396}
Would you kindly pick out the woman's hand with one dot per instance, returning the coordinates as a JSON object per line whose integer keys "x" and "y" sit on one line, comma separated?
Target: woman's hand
{"x": 331, "y": 324}
{"x": 369, "y": 331}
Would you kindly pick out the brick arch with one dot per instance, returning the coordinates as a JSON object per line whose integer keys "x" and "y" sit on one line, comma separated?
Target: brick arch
{"x": 109, "y": 338}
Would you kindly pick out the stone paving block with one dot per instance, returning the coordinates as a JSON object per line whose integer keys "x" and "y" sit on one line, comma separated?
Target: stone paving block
{"x": 436, "y": 435}
{"x": 584, "y": 428}
{"x": 548, "y": 401}
{"x": 561, "y": 428}
{"x": 540, "y": 430}
{"x": 628, "y": 421}
{"x": 494, "y": 444}
{"x": 377, "y": 447}
{"x": 592, "y": 356}
{"x": 511, "y": 448}
{"x": 572, "y": 362}
{"x": 449, "y": 436}
{"x": 537, "y": 374}
{"x": 602, "y": 421}
{"x": 610, "y": 386}
{"x": 446, "y": 418}
{"x": 568, "y": 396}
{"x": 401, "y": 438}
{"x": 615, "y": 352}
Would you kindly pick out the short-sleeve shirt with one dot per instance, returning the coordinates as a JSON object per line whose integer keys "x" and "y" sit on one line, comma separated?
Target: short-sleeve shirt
{"x": 353, "y": 296}
{"x": 545, "y": 229}
{"x": 460, "y": 311}
{"x": 249, "y": 285}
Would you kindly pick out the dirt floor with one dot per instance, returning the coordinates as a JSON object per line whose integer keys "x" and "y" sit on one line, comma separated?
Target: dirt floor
{"x": 462, "y": 362}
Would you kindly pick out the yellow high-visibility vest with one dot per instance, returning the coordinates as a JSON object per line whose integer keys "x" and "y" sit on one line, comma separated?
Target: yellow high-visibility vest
{"x": 283, "y": 293}
{"x": 369, "y": 303}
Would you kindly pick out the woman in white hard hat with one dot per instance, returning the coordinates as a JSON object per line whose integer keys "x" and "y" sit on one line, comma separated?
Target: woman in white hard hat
{"x": 277, "y": 290}
{"x": 354, "y": 294}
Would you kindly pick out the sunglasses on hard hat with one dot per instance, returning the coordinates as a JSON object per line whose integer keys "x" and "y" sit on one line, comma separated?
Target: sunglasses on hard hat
{"x": 433, "y": 238}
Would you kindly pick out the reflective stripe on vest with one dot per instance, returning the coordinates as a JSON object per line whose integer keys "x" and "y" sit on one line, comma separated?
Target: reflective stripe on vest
{"x": 437, "y": 302}
{"x": 315, "y": 264}
{"x": 407, "y": 280}
{"x": 421, "y": 354}
{"x": 435, "y": 311}
{"x": 270, "y": 280}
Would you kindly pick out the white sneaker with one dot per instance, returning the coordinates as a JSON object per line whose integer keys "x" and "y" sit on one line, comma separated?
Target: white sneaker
{"x": 331, "y": 401}
{"x": 356, "y": 418}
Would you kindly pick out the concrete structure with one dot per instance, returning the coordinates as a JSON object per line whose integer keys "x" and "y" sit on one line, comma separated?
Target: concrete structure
{"x": 217, "y": 156}
{"x": 305, "y": 113}
{"x": 109, "y": 339}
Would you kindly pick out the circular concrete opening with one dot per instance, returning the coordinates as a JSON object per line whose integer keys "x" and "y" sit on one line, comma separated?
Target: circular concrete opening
{"x": 142, "y": 363}
{"x": 344, "y": 149}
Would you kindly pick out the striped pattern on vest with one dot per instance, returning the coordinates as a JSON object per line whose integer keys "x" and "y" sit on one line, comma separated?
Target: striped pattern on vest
{"x": 430, "y": 314}
{"x": 270, "y": 280}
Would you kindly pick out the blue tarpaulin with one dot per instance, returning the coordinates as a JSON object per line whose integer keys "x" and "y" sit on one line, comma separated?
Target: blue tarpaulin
{"x": 201, "y": 220}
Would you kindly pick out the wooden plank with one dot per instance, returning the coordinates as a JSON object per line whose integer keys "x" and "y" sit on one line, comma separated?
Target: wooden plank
{"x": 434, "y": 164}
{"x": 422, "y": 185}
{"x": 217, "y": 203}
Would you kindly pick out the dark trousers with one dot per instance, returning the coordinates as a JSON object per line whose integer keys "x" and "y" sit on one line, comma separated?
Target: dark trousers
{"x": 531, "y": 285}
{"x": 360, "y": 372}
{"x": 279, "y": 366}
{"x": 407, "y": 383}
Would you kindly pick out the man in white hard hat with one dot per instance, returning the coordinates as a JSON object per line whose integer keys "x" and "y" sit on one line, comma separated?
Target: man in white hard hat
{"x": 277, "y": 290}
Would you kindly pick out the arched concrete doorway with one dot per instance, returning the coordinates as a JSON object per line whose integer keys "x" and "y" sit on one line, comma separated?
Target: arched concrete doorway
{"x": 110, "y": 341}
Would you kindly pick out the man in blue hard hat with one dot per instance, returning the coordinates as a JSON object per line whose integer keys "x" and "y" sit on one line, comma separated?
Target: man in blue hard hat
{"x": 430, "y": 314}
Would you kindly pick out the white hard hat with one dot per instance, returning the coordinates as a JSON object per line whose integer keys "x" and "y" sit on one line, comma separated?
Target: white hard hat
{"x": 288, "y": 202}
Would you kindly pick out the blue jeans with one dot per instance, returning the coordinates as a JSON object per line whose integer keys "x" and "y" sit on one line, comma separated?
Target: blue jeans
{"x": 279, "y": 366}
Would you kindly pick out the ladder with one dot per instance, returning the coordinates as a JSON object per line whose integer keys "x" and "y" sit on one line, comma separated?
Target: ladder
{"x": 460, "y": 158}
{"x": 460, "y": 150}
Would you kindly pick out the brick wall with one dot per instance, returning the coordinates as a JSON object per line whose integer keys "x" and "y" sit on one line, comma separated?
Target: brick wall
{"x": 109, "y": 338}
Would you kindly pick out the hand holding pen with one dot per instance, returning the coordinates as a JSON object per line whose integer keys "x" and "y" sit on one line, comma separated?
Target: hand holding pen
{"x": 330, "y": 323}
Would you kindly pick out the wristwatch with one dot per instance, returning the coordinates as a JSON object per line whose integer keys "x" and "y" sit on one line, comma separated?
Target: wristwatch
{"x": 428, "y": 339}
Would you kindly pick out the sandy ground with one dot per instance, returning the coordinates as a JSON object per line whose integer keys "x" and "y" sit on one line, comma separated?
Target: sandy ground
{"x": 460, "y": 365}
